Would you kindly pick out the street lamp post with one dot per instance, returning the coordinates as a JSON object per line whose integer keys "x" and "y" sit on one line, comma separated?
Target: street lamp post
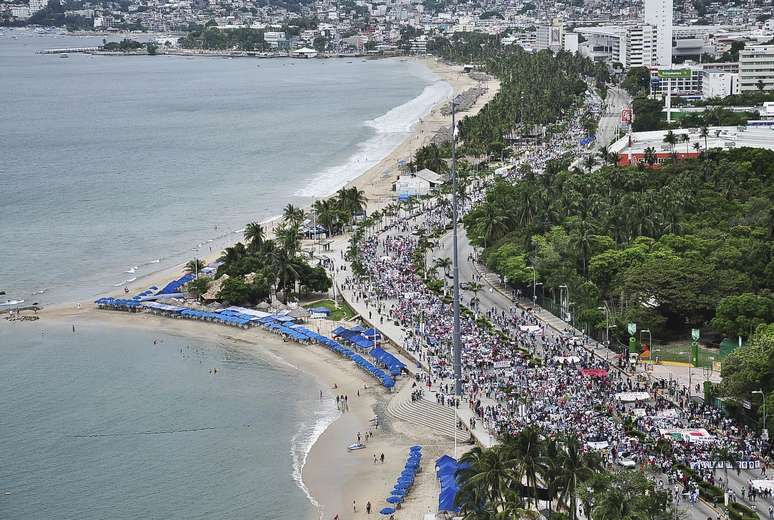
{"x": 765, "y": 433}
{"x": 562, "y": 306}
{"x": 534, "y": 285}
{"x": 455, "y": 217}
{"x": 607, "y": 323}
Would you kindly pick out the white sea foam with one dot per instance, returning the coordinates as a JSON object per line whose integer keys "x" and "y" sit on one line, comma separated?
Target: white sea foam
{"x": 391, "y": 129}
{"x": 132, "y": 269}
{"x": 302, "y": 442}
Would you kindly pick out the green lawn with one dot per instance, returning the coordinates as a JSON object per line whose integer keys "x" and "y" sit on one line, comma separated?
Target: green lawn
{"x": 681, "y": 352}
{"x": 338, "y": 312}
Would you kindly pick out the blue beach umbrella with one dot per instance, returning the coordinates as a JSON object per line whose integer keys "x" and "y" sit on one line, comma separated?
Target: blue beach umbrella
{"x": 398, "y": 492}
{"x": 416, "y": 448}
{"x": 387, "y": 511}
{"x": 395, "y": 499}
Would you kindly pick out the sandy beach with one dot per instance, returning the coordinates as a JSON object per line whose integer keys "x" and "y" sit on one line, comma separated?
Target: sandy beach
{"x": 334, "y": 477}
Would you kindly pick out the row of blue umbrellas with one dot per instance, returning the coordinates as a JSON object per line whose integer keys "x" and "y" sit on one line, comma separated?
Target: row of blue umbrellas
{"x": 405, "y": 480}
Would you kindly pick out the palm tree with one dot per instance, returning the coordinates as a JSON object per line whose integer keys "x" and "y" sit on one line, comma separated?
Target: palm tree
{"x": 233, "y": 254}
{"x": 493, "y": 223}
{"x": 254, "y": 235}
{"x": 288, "y": 239}
{"x": 604, "y": 154}
{"x": 194, "y": 266}
{"x": 443, "y": 263}
{"x": 327, "y": 214}
{"x": 589, "y": 162}
{"x": 293, "y": 216}
{"x": 351, "y": 201}
{"x": 486, "y": 479}
{"x": 285, "y": 270}
{"x": 574, "y": 467}
{"x": 670, "y": 138}
{"x": 526, "y": 450}
{"x": 650, "y": 156}
{"x": 686, "y": 139}
{"x": 704, "y": 132}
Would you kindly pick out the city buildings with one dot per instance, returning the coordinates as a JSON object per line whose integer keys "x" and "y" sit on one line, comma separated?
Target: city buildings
{"x": 658, "y": 13}
{"x": 756, "y": 68}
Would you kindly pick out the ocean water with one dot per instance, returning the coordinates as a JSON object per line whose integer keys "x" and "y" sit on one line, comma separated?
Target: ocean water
{"x": 116, "y": 167}
{"x": 104, "y": 423}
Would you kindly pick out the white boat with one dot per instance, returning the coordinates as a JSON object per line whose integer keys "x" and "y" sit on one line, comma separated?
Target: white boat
{"x": 356, "y": 446}
{"x": 9, "y": 303}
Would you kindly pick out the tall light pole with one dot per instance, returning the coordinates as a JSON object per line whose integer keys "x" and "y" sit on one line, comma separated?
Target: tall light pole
{"x": 455, "y": 216}
{"x": 607, "y": 323}
{"x": 765, "y": 434}
{"x": 562, "y": 307}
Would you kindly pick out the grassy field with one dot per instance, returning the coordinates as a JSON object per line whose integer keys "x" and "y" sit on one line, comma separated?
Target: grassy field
{"x": 338, "y": 312}
{"x": 681, "y": 352}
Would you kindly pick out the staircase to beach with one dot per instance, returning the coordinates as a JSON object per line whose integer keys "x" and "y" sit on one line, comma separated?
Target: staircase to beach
{"x": 439, "y": 419}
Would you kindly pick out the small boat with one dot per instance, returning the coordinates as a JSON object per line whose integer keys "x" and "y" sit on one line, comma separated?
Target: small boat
{"x": 64, "y": 55}
{"x": 356, "y": 446}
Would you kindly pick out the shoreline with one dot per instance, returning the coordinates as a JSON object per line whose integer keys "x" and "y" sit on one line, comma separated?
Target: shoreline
{"x": 332, "y": 476}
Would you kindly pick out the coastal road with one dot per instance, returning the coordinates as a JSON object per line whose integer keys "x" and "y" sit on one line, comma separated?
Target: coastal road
{"x": 495, "y": 299}
{"x": 617, "y": 99}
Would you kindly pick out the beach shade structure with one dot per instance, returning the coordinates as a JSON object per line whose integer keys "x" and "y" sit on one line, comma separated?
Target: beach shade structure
{"x": 387, "y": 511}
{"x": 394, "y": 499}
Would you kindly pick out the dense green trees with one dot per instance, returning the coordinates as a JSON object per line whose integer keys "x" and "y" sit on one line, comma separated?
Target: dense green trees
{"x": 663, "y": 247}
{"x": 750, "y": 368}
{"x": 213, "y": 38}
{"x": 535, "y": 88}
{"x": 254, "y": 269}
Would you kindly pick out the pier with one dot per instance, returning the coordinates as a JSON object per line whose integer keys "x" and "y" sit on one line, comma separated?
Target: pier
{"x": 68, "y": 51}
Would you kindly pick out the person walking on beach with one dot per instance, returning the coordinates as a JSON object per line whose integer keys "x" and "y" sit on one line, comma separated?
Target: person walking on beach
{"x": 73, "y": 329}
{"x": 354, "y": 507}
{"x": 382, "y": 458}
{"x": 368, "y": 507}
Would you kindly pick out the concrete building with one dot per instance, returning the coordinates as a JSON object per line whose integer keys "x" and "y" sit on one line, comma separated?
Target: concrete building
{"x": 276, "y": 39}
{"x": 756, "y": 68}
{"x": 550, "y": 36}
{"x": 690, "y": 86}
{"x": 571, "y": 42}
{"x": 719, "y": 84}
{"x": 658, "y": 13}
{"x": 642, "y": 46}
{"x": 37, "y": 5}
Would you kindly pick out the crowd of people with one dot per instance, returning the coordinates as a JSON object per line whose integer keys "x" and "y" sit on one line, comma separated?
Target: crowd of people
{"x": 517, "y": 372}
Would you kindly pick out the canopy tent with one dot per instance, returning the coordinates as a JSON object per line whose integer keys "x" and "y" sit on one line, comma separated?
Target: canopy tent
{"x": 446, "y": 468}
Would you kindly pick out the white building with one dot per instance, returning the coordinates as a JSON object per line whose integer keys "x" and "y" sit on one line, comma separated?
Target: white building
{"x": 571, "y": 42}
{"x": 419, "y": 45}
{"x": 658, "y": 13}
{"x": 37, "y": 5}
{"x": 641, "y": 46}
{"x": 756, "y": 66}
{"x": 719, "y": 84}
{"x": 417, "y": 184}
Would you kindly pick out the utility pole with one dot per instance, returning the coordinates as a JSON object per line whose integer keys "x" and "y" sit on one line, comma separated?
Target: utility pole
{"x": 456, "y": 334}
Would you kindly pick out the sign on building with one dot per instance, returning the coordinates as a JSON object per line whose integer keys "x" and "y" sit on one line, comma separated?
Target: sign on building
{"x": 674, "y": 74}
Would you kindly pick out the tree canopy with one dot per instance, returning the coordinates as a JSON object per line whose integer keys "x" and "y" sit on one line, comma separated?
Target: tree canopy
{"x": 669, "y": 249}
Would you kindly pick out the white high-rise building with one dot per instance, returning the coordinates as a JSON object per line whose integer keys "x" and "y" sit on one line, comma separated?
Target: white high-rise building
{"x": 756, "y": 68}
{"x": 658, "y": 13}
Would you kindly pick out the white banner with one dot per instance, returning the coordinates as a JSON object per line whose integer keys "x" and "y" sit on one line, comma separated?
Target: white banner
{"x": 630, "y": 397}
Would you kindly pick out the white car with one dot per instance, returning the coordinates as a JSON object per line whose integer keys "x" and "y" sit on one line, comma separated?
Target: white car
{"x": 627, "y": 462}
